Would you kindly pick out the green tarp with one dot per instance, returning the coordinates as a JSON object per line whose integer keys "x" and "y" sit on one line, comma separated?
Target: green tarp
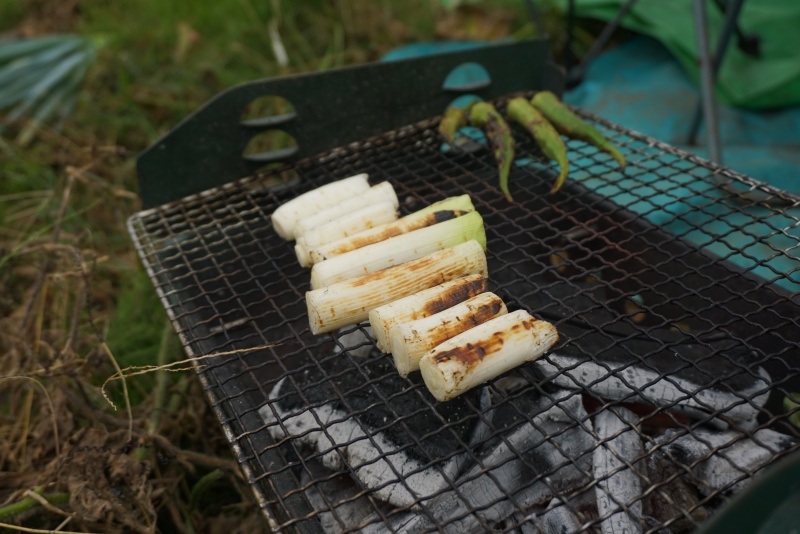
{"x": 769, "y": 81}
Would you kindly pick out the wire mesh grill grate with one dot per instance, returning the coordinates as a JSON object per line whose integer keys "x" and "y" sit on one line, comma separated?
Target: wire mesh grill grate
{"x": 674, "y": 287}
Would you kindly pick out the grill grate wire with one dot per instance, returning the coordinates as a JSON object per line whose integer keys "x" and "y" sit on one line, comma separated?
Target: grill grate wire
{"x": 663, "y": 276}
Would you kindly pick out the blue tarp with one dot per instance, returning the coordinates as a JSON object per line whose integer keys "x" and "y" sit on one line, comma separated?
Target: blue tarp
{"x": 765, "y": 80}
{"x": 640, "y": 86}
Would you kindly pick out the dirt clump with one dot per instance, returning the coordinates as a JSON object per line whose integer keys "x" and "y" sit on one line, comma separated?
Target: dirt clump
{"x": 107, "y": 485}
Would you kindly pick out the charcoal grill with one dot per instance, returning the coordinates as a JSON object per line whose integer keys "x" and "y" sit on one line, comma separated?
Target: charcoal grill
{"x": 678, "y": 275}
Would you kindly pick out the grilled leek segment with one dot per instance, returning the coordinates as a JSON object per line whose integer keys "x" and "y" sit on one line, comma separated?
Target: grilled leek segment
{"x": 423, "y": 304}
{"x": 350, "y": 301}
{"x": 435, "y": 213}
{"x": 410, "y": 341}
{"x": 350, "y": 224}
{"x": 376, "y": 193}
{"x": 485, "y": 352}
{"x": 286, "y": 217}
{"x": 399, "y": 249}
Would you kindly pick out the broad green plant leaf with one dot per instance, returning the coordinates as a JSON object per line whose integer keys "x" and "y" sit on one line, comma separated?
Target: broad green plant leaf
{"x": 40, "y": 80}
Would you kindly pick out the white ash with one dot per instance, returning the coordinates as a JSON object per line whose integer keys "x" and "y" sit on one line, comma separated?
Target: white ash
{"x": 503, "y": 482}
{"x": 499, "y": 488}
{"x": 619, "y": 486}
{"x": 341, "y": 441}
{"x": 558, "y": 518}
{"x": 723, "y": 461}
{"x": 629, "y": 383}
{"x": 340, "y": 504}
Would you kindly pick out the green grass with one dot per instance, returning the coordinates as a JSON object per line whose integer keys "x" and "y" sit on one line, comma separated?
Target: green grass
{"x": 11, "y": 13}
{"x": 136, "y": 329}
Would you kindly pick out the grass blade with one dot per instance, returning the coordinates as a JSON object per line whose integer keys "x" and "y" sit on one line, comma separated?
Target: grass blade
{"x": 12, "y": 50}
{"x": 44, "y": 83}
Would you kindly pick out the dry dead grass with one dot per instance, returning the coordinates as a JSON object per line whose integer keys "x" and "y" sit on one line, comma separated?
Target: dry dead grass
{"x": 69, "y": 460}
{"x": 121, "y": 469}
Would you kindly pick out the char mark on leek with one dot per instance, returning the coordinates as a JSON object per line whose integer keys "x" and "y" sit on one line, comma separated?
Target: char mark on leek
{"x": 345, "y": 226}
{"x": 458, "y": 205}
{"x": 350, "y": 301}
{"x": 423, "y": 304}
{"x": 485, "y": 352}
{"x": 410, "y": 341}
{"x": 399, "y": 249}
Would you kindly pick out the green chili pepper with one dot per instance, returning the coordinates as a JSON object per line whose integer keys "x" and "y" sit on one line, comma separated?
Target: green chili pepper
{"x": 573, "y": 126}
{"x": 454, "y": 119}
{"x": 522, "y": 112}
{"x": 484, "y": 115}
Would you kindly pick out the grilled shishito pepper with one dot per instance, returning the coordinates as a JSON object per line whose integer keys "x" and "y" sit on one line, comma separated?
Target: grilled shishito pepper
{"x": 569, "y": 124}
{"x": 484, "y": 115}
{"x": 454, "y": 119}
{"x": 522, "y": 112}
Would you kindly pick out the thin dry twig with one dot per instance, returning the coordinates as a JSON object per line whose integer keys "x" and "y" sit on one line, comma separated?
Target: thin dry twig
{"x": 48, "y": 265}
{"x": 49, "y": 403}
{"x": 85, "y": 177}
{"x": 45, "y": 504}
{"x": 63, "y": 524}
{"x": 105, "y": 347}
{"x": 125, "y": 394}
{"x": 25, "y": 422}
{"x": 187, "y": 458}
{"x": 122, "y": 374}
{"x": 35, "y": 530}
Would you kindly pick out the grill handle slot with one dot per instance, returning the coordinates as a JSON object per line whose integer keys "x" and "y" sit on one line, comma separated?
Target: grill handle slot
{"x": 332, "y": 108}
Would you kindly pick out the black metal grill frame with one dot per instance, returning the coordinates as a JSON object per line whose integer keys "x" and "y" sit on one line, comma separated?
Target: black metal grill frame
{"x": 613, "y": 282}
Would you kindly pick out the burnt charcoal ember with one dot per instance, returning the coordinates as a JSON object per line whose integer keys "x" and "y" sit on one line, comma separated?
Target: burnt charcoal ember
{"x": 705, "y": 401}
{"x": 516, "y": 523}
{"x": 673, "y": 499}
{"x": 618, "y": 484}
{"x": 340, "y": 504}
{"x": 543, "y": 449}
{"x": 484, "y": 427}
{"x": 359, "y": 414}
{"x": 722, "y": 461}
{"x": 562, "y": 515}
{"x": 557, "y": 519}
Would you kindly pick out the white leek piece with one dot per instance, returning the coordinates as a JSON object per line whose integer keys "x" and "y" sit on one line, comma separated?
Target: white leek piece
{"x": 485, "y": 352}
{"x": 423, "y": 304}
{"x": 343, "y": 227}
{"x": 399, "y": 249}
{"x": 350, "y": 301}
{"x": 449, "y": 208}
{"x": 411, "y": 341}
{"x": 376, "y": 193}
{"x": 286, "y": 217}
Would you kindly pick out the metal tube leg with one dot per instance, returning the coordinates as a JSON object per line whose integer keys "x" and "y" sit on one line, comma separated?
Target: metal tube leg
{"x": 731, "y": 11}
{"x": 569, "y": 58}
{"x": 707, "y": 82}
{"x": 575, "y": 75}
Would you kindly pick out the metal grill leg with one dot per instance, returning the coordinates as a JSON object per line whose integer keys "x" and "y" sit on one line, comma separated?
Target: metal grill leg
{"x": 729, "y": 27}
{"x": 575, "y": 75}
{"x": 707, "y": 81}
